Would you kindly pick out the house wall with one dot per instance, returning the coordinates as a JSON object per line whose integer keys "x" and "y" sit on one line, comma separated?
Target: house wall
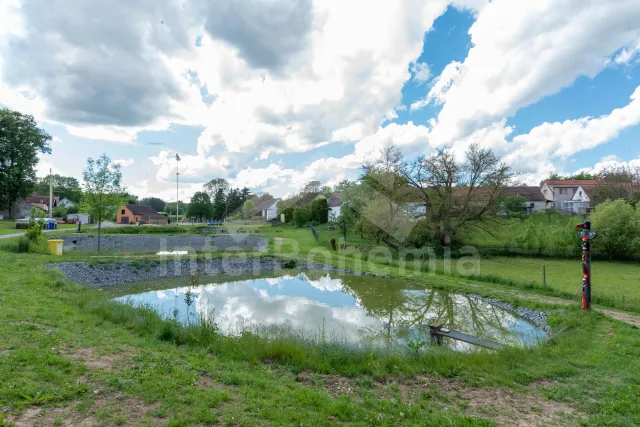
{"x": 17, "y": 210}
{"x": 334, "y": 213}
{"x": 124, "y": 212}
{"x": 66, "y": 203}
{"x": 561, "y": 192}
{"x": 537, "y": 206}
{"x": 271, "y": 212}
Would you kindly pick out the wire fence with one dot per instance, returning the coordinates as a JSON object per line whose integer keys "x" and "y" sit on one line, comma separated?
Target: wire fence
{"x": 569, "y": 253}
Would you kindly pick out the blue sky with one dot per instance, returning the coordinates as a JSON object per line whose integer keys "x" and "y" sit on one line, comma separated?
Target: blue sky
{"x": 274, "y": 94}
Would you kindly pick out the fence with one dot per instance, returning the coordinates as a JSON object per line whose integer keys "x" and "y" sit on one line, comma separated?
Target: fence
{"x": 570, "y": 253}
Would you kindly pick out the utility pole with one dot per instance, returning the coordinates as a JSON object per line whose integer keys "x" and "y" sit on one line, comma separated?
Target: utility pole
{"x": 50, "y": 194}
{"x": 177, "y": 190}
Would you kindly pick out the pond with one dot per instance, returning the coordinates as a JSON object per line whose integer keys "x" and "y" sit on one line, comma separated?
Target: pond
{"x": 339, "y": 308}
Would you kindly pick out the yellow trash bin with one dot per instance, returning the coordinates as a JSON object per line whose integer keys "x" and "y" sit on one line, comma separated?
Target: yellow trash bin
{"x": 56, "y": 246}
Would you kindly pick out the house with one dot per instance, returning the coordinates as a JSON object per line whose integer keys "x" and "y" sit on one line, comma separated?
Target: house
{"x": 132, "y": 213}
{"x": 562, "y": 191}
{"x": 581, "y": 201}
{"x": 17, "y": 210}
{"x": 267, "y": 209}
{"x": 335, "y": 202}
{"x": 66, "y": 203}
{"x": 42, "y": 202}
{"x": 536, "y": 201}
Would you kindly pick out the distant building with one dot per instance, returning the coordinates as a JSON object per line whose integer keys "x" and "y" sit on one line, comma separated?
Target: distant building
{"x": 267, "y": 209}
{"x": 18, "y": 210}
{"x": 335, "y": 202}
{"x": 66, "y": 203}
{"x": 562, "y": 191}
{"x": 536, "y": 201}
{"x": 43, "y": 202}
{"x": 132, "y": 213}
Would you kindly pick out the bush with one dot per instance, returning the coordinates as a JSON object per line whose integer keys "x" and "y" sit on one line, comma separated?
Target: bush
{"x": 618, "y": 226}
{"x": 333, "y": 244}
{"x": 288, "y": 214}
{"x": 301, "y": 216}
{"x": 320, "y": 211}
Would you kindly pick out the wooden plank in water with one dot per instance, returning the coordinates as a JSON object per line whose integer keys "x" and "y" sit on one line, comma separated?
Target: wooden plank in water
{"x": 461, "y": 336}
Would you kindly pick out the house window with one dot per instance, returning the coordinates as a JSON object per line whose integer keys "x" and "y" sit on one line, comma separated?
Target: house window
{"x": 562, "y": 190}
{"x": 580, "y": 193}
{"x": 122, "y": 212}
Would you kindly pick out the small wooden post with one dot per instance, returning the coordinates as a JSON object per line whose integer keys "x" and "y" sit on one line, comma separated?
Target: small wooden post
{"x": 544, "y": 275}
{"x": 434, "y": 336}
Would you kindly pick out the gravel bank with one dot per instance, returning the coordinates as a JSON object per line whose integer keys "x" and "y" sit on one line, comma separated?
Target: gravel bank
{"x": 98, "y": 275}
{"x": 151, "y": 243}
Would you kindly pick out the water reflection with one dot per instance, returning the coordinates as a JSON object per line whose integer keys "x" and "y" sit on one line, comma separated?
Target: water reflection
{"x": 354, "y": 310}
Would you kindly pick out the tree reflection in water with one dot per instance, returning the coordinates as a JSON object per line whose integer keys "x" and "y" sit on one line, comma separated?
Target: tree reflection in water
{"x": 406, "y": 311}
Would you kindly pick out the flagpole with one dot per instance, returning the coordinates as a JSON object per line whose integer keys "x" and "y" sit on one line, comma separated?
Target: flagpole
{"x": 50, "y": 194}
{"x": 177, "y": 190}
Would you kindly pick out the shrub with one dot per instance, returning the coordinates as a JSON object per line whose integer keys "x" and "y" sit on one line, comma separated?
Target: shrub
{"x": 618, "y": 227}
{"x": 288, "y": 214}
{"x": 36, "y": 223}
{"x": 333, "y": 244}
{"x": 320, "y": 211}
{"x": 301, "y": 216}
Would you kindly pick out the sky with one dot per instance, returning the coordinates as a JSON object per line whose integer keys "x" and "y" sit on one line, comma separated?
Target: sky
{"x": 271, "y": 94}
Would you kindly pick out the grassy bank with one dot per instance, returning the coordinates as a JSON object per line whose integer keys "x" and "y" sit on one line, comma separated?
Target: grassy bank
{"x": 71, "y": 356}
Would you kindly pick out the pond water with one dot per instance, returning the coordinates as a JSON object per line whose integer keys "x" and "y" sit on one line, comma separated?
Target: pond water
{"x": 345, "y": 309}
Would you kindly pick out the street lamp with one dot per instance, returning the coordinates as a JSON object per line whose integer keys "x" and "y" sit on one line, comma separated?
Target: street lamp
{"x": 177, "y": 191}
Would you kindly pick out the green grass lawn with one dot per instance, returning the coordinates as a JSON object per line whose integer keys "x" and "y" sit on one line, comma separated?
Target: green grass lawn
{"x": 69, "y": 356}
{"x": 8, "y": 226}
{"x": 618, "y": 281}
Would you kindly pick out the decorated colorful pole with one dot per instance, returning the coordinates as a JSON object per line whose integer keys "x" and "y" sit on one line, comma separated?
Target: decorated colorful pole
{"x": 587, "y": 236}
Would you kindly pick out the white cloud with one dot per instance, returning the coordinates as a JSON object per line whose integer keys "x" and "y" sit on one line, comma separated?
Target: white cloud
{"x": 546, "y": 147}
{"x": 610, "y": 162}
{"x": 191, "y": 166}
{"x": 421, "y": 72}
{"x": 280, "y": 181}
{"x": 563, "y": 139}
{"x": 124, "y": 162}
{"x": 628, "y": 53}
{"x": 525, "y": 50}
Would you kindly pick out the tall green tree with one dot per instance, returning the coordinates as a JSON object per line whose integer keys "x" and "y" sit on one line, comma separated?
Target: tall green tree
{"x": 200, "y": 206}
{"x": 215, "y": 185}
{"x": 320, "y": 211}
{"x": 458, "y": 194}
{"x": 103, "y": 191}
{"x": 219, "y": 207}
{"x": 20, "y": 142}
{"x": 346, "y": 221}
{"x": 155, "y": 202}
{"x": 618, "y": 228}
{"x": 63, "y": 186}
{"x": 248, "y": 209}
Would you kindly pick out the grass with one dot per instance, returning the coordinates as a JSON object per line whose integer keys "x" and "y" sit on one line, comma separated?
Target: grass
{"x": 70, "y": 354}
{"x": 8, "y": 226}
